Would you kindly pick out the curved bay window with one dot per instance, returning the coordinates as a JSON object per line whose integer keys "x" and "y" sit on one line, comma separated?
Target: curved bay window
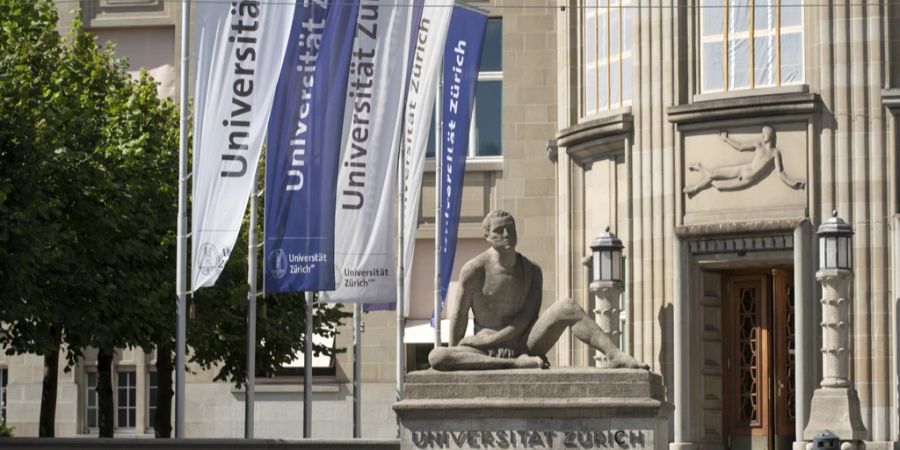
{"x": 606, "y": 54}
{"x": 748, "y": 44}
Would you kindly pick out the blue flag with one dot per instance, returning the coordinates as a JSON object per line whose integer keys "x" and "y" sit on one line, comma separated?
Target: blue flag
{"x": 303, "y": 148}
{"x": 462, "y": 54}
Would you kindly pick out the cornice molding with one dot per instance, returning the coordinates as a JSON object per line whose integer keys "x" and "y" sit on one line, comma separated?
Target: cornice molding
{"x": 744, "y": 107}
{"x": 587, "y": 141}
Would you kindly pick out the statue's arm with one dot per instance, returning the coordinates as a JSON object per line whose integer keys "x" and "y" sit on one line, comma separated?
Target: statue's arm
{"x": 779, "y": 166}
{"x": 737, "y": 145}
{"x": 459, "y": 317}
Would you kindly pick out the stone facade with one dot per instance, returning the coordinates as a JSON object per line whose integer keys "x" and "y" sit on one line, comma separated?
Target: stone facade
{"x": 629, "y": 168}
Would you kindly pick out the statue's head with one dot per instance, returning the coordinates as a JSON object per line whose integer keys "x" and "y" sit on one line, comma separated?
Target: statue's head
{"x": 500, "y": 231}
{"x": 768, "y": 134}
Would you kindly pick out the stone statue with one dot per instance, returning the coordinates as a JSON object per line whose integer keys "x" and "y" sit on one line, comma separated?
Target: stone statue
{"x": 503, "y": 289}
{"x": 732, "y": 178}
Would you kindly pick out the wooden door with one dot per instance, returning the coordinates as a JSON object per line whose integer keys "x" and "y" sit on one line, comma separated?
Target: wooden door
{"x": 785, "y": 359}
{"x": 747, "y": 360}
{"x": 759, "y": 360}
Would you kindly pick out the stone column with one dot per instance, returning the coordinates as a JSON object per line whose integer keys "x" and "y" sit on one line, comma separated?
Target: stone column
{"x": 835, "y": 404}
{"x": 606, "y": 310}
{"x": 804, "y": 323}
{"x": 835, "y": 327}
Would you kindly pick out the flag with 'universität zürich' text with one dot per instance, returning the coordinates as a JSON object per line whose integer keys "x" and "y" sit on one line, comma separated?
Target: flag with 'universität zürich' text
{"x": 240, "y": 45}
{"x": 304, "y": 147}
{"x": 462, "y": 55}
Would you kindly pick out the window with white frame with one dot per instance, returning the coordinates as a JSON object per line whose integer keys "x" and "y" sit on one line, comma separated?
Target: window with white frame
{"x": 747, "y": 44}
{"x": 4, "y": 381}
{"x": 126, "y": 399}
{"x": 485, "y": 134}
{"x": 606, "y": 54}
{"x": 152, "y": 386}
{"x": 91, "y": 411}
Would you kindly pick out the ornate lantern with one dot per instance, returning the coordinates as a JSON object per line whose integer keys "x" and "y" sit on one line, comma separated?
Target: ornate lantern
{"x": 607, "y": 263}
{"x": 834, "y": 243}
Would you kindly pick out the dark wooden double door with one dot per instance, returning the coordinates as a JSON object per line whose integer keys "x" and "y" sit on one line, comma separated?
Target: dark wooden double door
{"x": 759, "y": 359}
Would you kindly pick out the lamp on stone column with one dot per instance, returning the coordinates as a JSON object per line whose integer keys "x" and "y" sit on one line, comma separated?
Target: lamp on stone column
{"x": 606, "y": 283}
{"x": 607, "y": 262}
{"x": 835, "y": 404}
{"x": 834, "y": 243}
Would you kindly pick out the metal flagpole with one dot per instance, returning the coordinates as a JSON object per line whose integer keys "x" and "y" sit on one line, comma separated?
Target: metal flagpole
{"x": 438, "y": 154}
{"x": 401, "y": 272}
{"x": 357, "y": 369}
{"x": 307, "y": 368}
{"x": 181, "y": 259}
{"x": 252, "y": 248}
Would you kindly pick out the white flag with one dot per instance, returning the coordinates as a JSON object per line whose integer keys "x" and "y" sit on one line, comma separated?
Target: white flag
{"x": 240, "y": 49}
{"x": 428, "y": 51}
{"x": 364, "y": 250}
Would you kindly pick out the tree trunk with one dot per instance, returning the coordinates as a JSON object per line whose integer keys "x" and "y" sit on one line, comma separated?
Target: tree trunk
{"x": 105, "y": 392}
{"x": 48, "y": 394}
{"x": 162, "y": 421}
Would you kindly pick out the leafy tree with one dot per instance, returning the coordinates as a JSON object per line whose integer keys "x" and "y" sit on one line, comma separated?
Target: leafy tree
{"x": 88, "y": 162}
{"x": 281, "y": 322}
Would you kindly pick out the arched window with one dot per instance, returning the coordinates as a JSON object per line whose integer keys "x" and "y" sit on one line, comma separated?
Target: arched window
{"x": 606, "y": 54}
{"x": 746, "y": 44}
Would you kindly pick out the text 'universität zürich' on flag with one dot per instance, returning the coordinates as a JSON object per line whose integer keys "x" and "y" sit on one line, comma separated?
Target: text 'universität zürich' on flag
{"x": 364, "y": 249}
{"x": 462, "y": 55}
{"x": 425, "y": 62}
{"x": 239, "y": 45}
{"x": 304, "y": 147}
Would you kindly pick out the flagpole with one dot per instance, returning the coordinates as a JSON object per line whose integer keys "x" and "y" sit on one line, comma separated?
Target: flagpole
{"x": 307, "y": 368}
{"x": 181, "y": 242}
{"x": 357, "y": 370}
{"x": 401, "y": 267}
{"x": 252, "y": 248}
{"x": 438, "y": 154}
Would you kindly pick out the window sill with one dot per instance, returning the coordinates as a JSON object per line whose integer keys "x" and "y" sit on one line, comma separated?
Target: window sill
{"x": 473, "y": 164}
{"x": 742, "y": 107}
{"x": 740, "y": 93}
{"x": 602, "y": 134}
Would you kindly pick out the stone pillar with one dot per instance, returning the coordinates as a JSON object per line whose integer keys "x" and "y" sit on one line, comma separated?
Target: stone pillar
{"x": 606, "y": 310}
{"x": 835, "y": 327}
{"x": 835, "y": 404}
{"x": 805, "y": 380}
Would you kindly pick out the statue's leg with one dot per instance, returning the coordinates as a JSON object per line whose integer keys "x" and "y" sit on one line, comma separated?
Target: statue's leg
{"x": 462, "y": 357}
{"x": 705, "y": 183}
{"x": 567, "y": 314}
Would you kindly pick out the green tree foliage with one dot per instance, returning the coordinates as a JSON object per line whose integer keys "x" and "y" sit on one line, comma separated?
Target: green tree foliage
{"x": 281, "y": 322}
{"x": 88, "y": 187}
{"x": 87, "y": 171}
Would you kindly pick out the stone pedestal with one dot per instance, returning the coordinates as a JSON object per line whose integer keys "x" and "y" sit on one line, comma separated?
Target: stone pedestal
{"x": 836, "y": 410}
{"x": 584, "y": 408}
{"x": 835, "y": 404}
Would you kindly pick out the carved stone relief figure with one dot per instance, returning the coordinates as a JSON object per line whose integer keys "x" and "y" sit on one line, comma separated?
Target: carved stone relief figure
{"x": 766, "y": 156}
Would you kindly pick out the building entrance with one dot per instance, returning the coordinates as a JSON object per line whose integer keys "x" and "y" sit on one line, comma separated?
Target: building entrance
{"x": 759, "y": 359}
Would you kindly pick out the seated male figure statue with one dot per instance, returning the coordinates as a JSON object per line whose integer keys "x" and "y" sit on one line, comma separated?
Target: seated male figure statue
{"x": 503, "y": 290}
